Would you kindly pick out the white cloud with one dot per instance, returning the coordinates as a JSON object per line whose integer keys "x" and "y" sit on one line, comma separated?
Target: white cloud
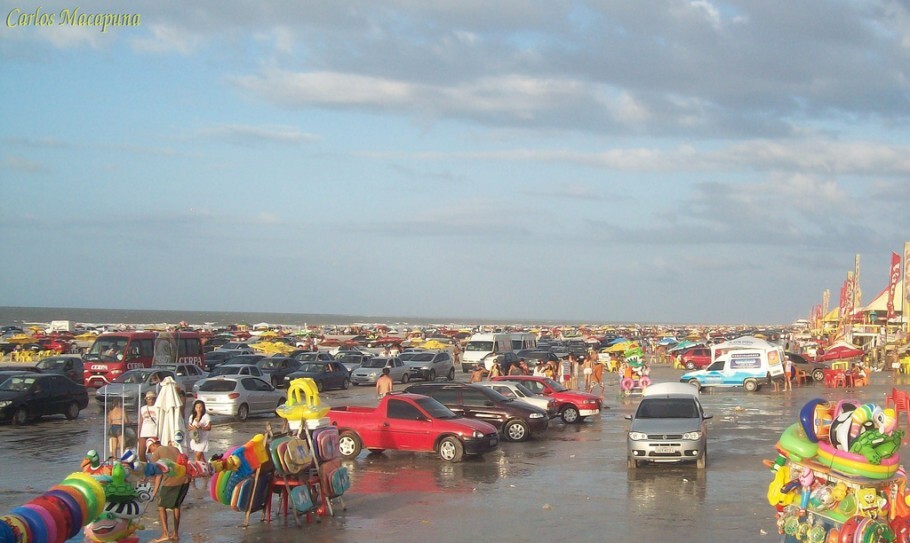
{"x": 166, "y": 38}
{"x": 22, "y": 164}
{"x": 246, "y": 134}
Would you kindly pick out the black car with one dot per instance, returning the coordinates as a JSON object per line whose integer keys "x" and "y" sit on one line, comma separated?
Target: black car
{"x": 536, "y": 356}
{"x": 325, "y": 374}
{"x": 275, "y": 368}
{"x": 577, "y": 347}
{"x": 516, "y": 421}
{"x": 815, "y": 369}
{"x": 249, "y": 359}
{"x": 67, "y": 364}
{"x": 215, "y": 358}
{"x": 30, "y": 396}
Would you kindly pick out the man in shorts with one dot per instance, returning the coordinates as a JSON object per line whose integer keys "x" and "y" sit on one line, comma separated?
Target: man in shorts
{"x": 170, "y": 490}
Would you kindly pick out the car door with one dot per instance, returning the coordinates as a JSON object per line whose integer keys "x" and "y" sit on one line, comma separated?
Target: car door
{"x": 255, "y": 394}
{"x": 407, "y": 428}
{"x": 714, "y": 374}
{"x": 478, "y": 405}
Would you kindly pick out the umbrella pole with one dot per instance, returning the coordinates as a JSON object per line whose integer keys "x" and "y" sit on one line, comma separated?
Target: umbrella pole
{"x": 105, "y": 437}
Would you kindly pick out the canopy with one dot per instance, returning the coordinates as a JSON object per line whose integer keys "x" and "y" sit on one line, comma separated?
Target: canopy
{"x": 171, "y": 426}
{"x": 880, "y": 303}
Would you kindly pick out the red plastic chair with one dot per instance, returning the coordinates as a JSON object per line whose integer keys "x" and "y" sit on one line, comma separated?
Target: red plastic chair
{"x": 901, "y": 402}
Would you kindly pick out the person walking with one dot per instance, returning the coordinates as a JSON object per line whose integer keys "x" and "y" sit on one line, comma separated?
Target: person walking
{"x": 148, "y": 423}
{"x": 478, "y": 373}
{"x": 199, "y": 425}
{"x": 587, "y": 368}
{"x": 170, "y": 490}
{"x": 788, "y": 373}
{"x": 597, "y": 378}
{"x": 117, "y": 419}
{"x": 384, "y": 384}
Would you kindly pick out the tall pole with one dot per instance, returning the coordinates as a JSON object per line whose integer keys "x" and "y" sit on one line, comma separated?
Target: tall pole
{"x": 905, "y": 299}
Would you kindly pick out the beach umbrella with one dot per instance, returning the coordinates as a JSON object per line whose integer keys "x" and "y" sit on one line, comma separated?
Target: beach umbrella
{"x": 434, "y": 345}
{"x": 617, "y": 340}
{"x": 171, "y": 426}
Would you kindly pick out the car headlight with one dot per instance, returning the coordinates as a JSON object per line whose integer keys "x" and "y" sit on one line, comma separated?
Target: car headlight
{"x": 477, "y": 434}
{"x": 692, "y": 435}
{"x": 7, "y": 403}
{"x": 591, "y": 402}
{"x": 537, "y": 415}
{"x": 637, "y": 436}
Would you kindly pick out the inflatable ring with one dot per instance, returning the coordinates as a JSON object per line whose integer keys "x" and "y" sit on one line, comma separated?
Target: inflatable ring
{"x": 807, "y": 418}
{"x": 795, "y": 445}
{"x": 21, "y": 531}
{"x": 92, "y": 485}
{"x": 61, "y": 515}
{"x": 7, "y": 533}
{"x": 644, "y": 381}
{"x": 93, "y": 506}
{"x": 36, "y": 524}
{"x": 77, "y": 497}
{"x": 55, "y": 532}
{"x": 848, "y": 463}
{"x": 303, "y": 401}
{"x": 627, "y": 383}
{"x": 75, "y": 510}
{"x": 848, "y": 530}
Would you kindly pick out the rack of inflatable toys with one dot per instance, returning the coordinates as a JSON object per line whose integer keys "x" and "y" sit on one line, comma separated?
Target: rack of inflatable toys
{"x": 303, "y": 467}
{"x": 105, "y": 501}
{"x": 837, "y": 478}
{"x": 637, "y": 379}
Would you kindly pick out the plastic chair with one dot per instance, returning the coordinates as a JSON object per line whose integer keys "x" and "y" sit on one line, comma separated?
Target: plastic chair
{"x": 900, "y": 401}
{"x": 829, "y": 377}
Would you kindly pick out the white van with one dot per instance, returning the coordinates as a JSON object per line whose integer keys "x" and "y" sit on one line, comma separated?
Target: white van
{"x": 523, "y": 341}
{"x": 747, "y": 368}
{"x": 481, "y": 346}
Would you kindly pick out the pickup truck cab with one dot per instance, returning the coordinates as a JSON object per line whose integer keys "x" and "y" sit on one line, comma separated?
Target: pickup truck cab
{"x": 572, "y": 406}
{"x": 411, "y": 422}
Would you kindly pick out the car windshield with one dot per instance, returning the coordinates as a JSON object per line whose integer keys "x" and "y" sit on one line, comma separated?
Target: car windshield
{"x": 312, "y": 368}
{"x": 554, "y": 385}
{"x": 308, "y": 357}
{"x": 51, "y": 364}
{"x": 483, "y": 346}
{"x": 17, "y": 384}
{"x": 422, "y": 357}
{"x": 268, "y": 364}
{"x": 525, "y": 391}
{"x": 132, "y": 377}
{"x": 374, "y": 363}
{"x": 226, "y": 370}
{"x": 667, "y": 408}
{"x": 218, "y": 385}
{"x": 108, "y": 348}
{"x": 436, "y": 409}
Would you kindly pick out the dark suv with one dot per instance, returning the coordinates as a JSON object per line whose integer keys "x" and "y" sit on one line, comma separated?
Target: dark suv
{"x": 430, "y": 364}
{"x": 515, "y": 421}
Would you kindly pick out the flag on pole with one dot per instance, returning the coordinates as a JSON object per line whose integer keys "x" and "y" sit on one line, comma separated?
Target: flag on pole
{"x": 892, "y": 283}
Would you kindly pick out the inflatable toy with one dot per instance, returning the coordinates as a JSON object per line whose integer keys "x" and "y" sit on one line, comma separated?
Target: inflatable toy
{"x": 18, "y": 526}
{"x": 36, "y": 524}
{"x": 303, "y": 401}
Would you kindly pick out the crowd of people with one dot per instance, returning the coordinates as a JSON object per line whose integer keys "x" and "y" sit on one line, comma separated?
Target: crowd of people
{"x": 575, "y": 372}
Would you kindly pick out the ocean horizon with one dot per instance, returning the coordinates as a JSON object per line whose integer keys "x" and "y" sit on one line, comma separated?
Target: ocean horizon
{"x": 27, "y": 315}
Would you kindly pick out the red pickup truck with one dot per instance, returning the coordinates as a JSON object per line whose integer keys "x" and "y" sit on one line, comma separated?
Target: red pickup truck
{"x": 411, "y": 422}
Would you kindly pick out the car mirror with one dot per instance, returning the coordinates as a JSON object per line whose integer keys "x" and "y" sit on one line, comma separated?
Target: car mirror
{"x": 628, "y": 417}
{"x": 708, "y": 417}
{"x": 422, "y": 418}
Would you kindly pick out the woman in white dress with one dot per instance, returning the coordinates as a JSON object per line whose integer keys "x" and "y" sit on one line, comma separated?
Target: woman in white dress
{"x": 198, "y": 426}
{"x": 148, "y": 422}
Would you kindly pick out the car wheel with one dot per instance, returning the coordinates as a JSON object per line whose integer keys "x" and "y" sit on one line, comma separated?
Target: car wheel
{"x": 404, "y": 378}
{"x": 818, "y": 375}
{"x": 319, "y": 386}
{"x": 451, "y": 376}
{"x": 243, "y": 412}
{"x": 349, "y": 444}
{"x": 516, "y": 430}
{"x": 20, "y": 417}
{"x": 631, "y": 463}
{"x": 432, "y": 376}
{"x": 72, "y": 411}
{"x": 569, "y": 414}
{"x": 751, "y": 385}
{"x": 345, "y": 384}
{"x": 690, "y": 366}
{"x": 702, "y": 461}
{"x": 695, "y": 383}
{"x": 451, "y": 449}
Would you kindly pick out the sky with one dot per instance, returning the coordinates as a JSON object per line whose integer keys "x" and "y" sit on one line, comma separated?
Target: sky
{"x": 625, "y": 161}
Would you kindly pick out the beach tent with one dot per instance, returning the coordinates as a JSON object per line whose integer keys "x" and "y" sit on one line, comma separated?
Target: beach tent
{"x": 880, "y": 303}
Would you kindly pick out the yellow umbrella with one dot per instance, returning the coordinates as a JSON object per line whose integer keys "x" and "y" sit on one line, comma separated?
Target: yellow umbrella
{"x": 617, "y": 348}
{"x": 434, "y": 345}
{"x": 19, "y": 338}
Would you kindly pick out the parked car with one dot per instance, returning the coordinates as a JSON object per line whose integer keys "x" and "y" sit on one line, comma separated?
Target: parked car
{"x": 236, "y": 346}
{"x": 29, "y": 396}
{"x": 313, "y": 356}
{"x": 536, "y": 356}
{"x": 411, "y": 422}
{"x": 69, "y": 365}
{"x": 350, "y": 360}
{"x": 813, "y": 368}
{"x": 515, "y": 421}
{"x": 7, "y": 373}
{"x": 132, "y": 385}
{"x": 371, "y": 369}
{"x": 429, "y": 365}
{"x": 237, "y": 369}
{"x": 695, "y": 358}
{"x": 668, "y": 427}
{"x": 572, "y": 406}
{"x": 215, "y": 358}
{"x": 520, "y": 393}
{"x": 250, "y": 359}
{"x": 186, "y": 375}
{"x": 326, "y": 375}
{"x": 239, "y": 396}
{"x": 275, "y": 368}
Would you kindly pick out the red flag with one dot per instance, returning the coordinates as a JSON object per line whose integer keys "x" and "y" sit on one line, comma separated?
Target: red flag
{"x": 843, "y": 301}
{"x": 892, "y": 285}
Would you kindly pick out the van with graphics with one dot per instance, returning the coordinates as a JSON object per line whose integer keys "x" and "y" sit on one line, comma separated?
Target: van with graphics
{"x": 747, "y": 368}
{"x": 481, "y": 348}
{"x": 115, "y": 353}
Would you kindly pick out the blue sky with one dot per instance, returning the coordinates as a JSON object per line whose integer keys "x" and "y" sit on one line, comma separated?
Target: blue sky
{"x": 662, "y": 161}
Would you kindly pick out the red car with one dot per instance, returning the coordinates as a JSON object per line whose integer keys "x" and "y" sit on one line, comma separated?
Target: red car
{"x": 696, "y": 358}
{"x": 571, "y": 405}
{"x": 411, "y": 422}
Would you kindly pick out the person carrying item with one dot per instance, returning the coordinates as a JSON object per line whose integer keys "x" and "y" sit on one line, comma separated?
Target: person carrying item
{"x": 148, "y": 423}
{"x": 199, "y": 425}
{"x": 170, "y": 490}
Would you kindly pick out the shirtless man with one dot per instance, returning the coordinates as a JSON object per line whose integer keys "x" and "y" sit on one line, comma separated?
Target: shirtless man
{"x": 384, "y": 383}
